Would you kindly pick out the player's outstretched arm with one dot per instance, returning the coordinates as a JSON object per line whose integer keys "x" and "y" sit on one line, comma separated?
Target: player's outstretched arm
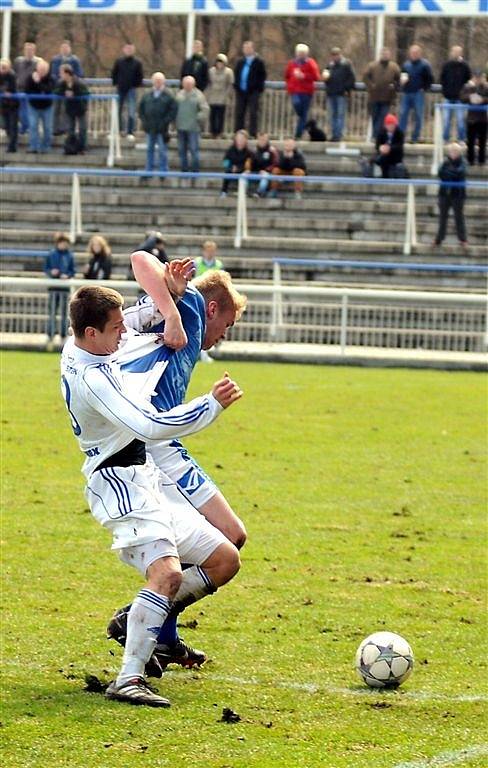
{"x": 151, "y": 276}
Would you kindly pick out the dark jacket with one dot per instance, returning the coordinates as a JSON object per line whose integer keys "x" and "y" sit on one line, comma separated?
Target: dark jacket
{"x": 475, "y": 115}
{"x": 197, "y": 67}
{"x": 157, "y": 113}
{"x": 257, "y": 75}
{"x": 127, "y": 73}
{"x": 151, "y": 245}
{"x": 396, "y": 144}
{"x": 263, "y": 159}
{"x": 236, "y": 158}
{"x": 453, "y": 76}
{"x": 62, "y": 260}
{"x": 452, "y": 170}
{"x": 287, "y": 164}
{"x": 43, "y": 87}
{"x": 75, "y": 105}
{"x": 341, "y": 78}
{"x": 99, "y": 267}
{"x": 8, "y": 85}
{"x": 73, "y": 61}
{"x": 420, "y": 76}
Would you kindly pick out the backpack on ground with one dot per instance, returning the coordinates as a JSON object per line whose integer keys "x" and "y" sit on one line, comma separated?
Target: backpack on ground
{"x": 72, "y": 145}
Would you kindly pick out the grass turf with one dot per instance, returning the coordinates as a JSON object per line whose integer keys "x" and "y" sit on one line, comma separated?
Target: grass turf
{"x": 364, "y": 498}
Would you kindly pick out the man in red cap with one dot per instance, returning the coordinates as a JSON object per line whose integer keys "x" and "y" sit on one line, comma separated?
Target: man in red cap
{"x": 389, "y": 146}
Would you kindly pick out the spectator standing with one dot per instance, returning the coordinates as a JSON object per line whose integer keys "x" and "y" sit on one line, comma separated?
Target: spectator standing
{"x": 127, "y": 77}
{"x": 389, "y": 146}
{"x": 416, "y": 78}
{"x": 339, "y": 81}
{"x": 40, "y": 110}
{"x": 301, "y": 73}
{"x": 196, "y": 66}
{"x": 382, "y": 80}
{"x": 99, "y": 265}
{"x": 475, "y": 92}
{"x": 208, "y": 260}
{"x": 59, "y": 265}
{"x": 453, "y": 169}
{"x": 64, "y": 57}
{"x": 75, "y": 95}
{"x": 235, "y": 158}
{"x": 454, "y": 74}
{"x": 9, "y": 107}
{"x": 192, "y": 111}
{"x": 221, "y": 81}
{"x": 157, "y": 109}
{"x": 249, "y": 81}
{"x": 291, "y": 162}
{"x": 263, "y": 160}
{"x": 24, "y": 66}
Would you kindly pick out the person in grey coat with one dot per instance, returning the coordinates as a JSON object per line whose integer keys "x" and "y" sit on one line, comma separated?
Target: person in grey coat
{"x": 192, "y": 111}
{"x": 221, "y": 81}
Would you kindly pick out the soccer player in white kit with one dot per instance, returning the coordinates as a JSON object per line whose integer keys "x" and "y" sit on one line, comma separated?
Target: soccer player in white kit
{"x": 153, "y": 527}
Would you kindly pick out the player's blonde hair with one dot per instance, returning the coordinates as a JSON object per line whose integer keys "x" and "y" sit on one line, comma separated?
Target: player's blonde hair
{"x": 216, "y": 285}
{"x": 90, "y": 306}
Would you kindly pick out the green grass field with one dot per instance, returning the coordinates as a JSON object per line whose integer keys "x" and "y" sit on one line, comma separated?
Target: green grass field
{"x": 364, "y": 496}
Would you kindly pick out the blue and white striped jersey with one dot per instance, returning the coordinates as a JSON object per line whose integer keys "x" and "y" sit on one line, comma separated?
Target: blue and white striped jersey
{"x": 106, "y": 415}
{"x": 170, "y": 389}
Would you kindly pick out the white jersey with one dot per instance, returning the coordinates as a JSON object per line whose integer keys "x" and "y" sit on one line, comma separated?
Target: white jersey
{"x": 106, "y": 416}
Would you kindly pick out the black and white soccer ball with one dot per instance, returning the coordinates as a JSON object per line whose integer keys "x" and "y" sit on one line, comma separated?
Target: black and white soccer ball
{"x": 384, "y": 660}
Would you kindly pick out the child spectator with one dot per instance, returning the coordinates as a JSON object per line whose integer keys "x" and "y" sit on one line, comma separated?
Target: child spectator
{"x": 263, "y": 160}
{"x": 59, "y": 265}
{"x": 453, "y": 169}
{"x": 99, "y": 265}
{"x": 235, "y": 158}
{"x": 9, "y": 107}
{"x": 221, "y": 81}
{"x": 475, "y": 92}
{"x": 291, "y": 162}
{"x": 208, "y": 260}
{"x": 301, "y": 73}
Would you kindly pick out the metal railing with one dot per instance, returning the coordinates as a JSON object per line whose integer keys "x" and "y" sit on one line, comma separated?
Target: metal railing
{"x": 342, "y": 317}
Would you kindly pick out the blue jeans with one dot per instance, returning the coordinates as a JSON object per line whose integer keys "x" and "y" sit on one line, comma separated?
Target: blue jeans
{"x": 57, "y": 300}
{"x": 301, "y": 104}
{"x": 189, "y": 142}
{"x": 413, "y": 101}
{"x": 379, "y": 110}
{"x": 156, "y": 140}
{"x": 23, "y": 115}
{"x": 128, "y": 99}
{"x": 45, "y": 118}
{"x": 336, "y": 107}
{"x": 460, "y": 120}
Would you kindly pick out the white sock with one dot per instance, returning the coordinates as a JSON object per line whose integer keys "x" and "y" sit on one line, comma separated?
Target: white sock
{"x": 146, "y": 616}
{"x": 195, "y": 585}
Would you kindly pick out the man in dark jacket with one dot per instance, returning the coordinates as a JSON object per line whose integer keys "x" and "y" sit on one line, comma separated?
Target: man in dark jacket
{"x": 9, "y": 108}
{"x": 475, "y": 93}
{"x": 415, "y": 79}
{"x": 24, "y": 66}
{"x": 127, "y": 76}
{"x": 196, "y": 66}
{"x": 339, "y": 81}
{"x": 291, "y": 162}
{"x": 39, "y": 86}
{"x": 389, "y": 146}
{"x": 453, "y": 169}
{"x": 235, "y": 159}
{"x": 249, "y": 80}
{"x": 64, "y": 57}
{"x": 454, "y": 74}
{"x": 157, "y": 109}
{"x": 263, "y": 160}
{"x": 76, "y": 104}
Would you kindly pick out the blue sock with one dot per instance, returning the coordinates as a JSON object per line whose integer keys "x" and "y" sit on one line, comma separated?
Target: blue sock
{"x": 168, "y": 634}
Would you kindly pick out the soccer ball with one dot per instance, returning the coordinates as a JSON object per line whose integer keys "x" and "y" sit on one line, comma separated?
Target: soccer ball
{"x": 384, "y": 660}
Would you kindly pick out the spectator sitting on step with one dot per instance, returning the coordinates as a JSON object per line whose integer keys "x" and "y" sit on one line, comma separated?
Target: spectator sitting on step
{"x": 453, "y": 169}
{"x": 208, "y": 260}
{"x": 263, "y": 160}
{"x": 59, "y": 265}
{"x": 75, "y": 101}
{"x": 235, "y": 158}
{"x": 9, "y": 108}
{"x": 154, "y": 243}
{"x": 99, "y": 266}
{"x": 389, "y": 146}
{"x": 291, "y": 162}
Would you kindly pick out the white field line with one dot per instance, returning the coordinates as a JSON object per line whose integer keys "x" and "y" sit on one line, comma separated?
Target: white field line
{"x": 313, "y": 688}
{"x": 445, "y": 759}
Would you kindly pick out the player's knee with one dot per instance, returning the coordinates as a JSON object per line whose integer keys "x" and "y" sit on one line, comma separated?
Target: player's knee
{"x": 233, "y": 562}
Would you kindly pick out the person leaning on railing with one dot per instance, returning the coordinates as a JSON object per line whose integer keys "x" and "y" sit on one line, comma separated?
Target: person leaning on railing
{"x": 75, "y": 95}
{"x": 9, "y": 108}
{"x": 475, "y": 92}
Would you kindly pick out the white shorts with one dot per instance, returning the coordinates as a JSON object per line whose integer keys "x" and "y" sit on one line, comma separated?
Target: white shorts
{"x": 140, "y": 506}
{"x": 175, "y": 461}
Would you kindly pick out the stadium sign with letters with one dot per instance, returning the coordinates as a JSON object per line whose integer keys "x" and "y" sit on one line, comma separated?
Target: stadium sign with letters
{"x": 257, "y": 7}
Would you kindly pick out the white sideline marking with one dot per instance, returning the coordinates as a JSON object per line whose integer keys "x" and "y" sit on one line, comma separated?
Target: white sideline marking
{"x": 313, "y": 688}
{"x": 447, "y": 758}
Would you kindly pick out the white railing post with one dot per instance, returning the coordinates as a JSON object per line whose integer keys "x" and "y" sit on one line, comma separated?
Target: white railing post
{"x": 344, "y": 314}
{"x": 76, "y": 224}
{"x": 114, "y": 152}
{"x": 410, "y": 222}
{"x": 438, "y": 141}
{"x": 241, "y": 213}
{"x": 6, "y": 33}
{"x": 277, "y": 304}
